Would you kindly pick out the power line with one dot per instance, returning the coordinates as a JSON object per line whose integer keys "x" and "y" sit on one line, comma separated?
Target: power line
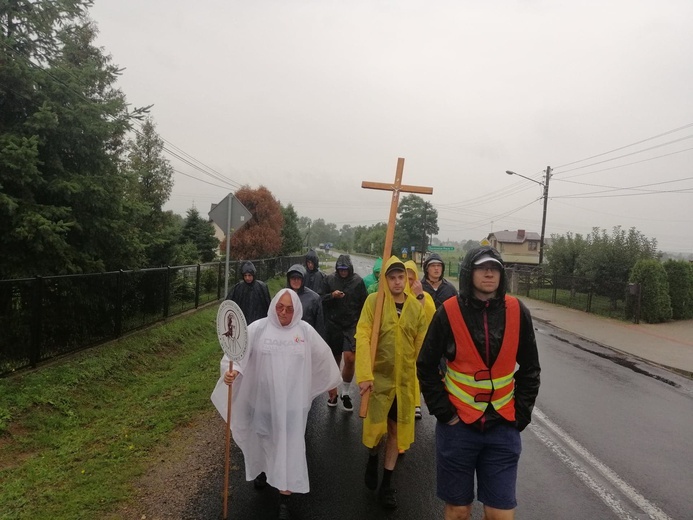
{"x": 626, "y": 146}
{"x": 180, "y": 154}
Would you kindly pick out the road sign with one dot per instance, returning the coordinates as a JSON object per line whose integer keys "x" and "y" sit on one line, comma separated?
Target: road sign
{"x": 232, "y": 330}
{"x": 413, "y": 248}
{"x": 239, "y": 215}
{"x": 441, "y": 248}
{"x": 230, "y": 215}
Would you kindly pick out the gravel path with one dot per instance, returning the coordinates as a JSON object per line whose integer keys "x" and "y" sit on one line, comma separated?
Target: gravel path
{"x": 180, "y": 473}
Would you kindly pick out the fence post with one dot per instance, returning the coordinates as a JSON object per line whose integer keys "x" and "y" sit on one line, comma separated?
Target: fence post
{"x": 197, "y": 287}
{"x": 37, "y": 318}
{"x": 119, "y": 305}
{"x": 589, "y": 299}
{"x": 167, "y": 290}
{"x": 554, "y": 293}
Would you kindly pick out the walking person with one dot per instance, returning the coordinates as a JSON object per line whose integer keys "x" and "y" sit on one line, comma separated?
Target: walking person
{"x": 286, "y": 366}
{"x": 250, "y": 294}
{"x": 310, "y": 300}
{"x": 371, "y": 280}
{"x": 483, "y": 403}
{"x": 315, "y": 278}
{"x": 434, "y": 282}
{"x": 391, "y": 380}
{"x": 342, "y": 303}
{"x": 426, "y": 300}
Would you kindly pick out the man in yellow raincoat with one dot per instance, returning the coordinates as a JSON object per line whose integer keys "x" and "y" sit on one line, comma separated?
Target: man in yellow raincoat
{"x": 392, "y": 379}
{"x": 429, "y": 306}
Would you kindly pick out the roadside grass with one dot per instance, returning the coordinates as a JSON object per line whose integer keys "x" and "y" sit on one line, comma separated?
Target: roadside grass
{"x": 600, "y": 305}
{"x": 76, "y": 434}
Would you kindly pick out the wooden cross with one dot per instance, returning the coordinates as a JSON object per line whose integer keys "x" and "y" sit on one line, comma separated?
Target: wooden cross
{"x": 396, "y": 189}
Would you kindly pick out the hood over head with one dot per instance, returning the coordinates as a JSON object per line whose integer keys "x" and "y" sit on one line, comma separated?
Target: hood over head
{"x": 377, "y": 266}
{"x": 394, "y": 263}
{"x": 272, "y": 311}
{"x": 433, "y": 258}
{"x": 248, "y": 267}
{"x": 344, "y": 261}
{"x": 411, "y": 265}
{"x": 467, "y": 265}
{"x": 313, "y": 257}
{"x": 293, "y": 271}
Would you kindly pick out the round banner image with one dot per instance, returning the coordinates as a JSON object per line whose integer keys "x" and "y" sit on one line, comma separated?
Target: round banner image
{"x": 232, "y": 330}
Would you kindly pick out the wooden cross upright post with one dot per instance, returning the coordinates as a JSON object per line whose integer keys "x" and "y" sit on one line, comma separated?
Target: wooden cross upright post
{"x": 395, "y": 188}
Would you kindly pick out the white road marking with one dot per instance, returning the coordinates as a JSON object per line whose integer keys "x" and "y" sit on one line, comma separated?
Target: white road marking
{"x": 582, "y": 473}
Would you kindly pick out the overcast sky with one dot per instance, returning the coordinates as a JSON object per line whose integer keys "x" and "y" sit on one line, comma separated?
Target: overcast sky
{"x": 309, "y": 98}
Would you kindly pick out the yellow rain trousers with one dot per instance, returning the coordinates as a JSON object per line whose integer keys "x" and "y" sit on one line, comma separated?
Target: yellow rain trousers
{"x": 394, "y": 372}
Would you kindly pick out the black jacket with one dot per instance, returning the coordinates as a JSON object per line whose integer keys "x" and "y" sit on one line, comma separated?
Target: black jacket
{"x": 310, "y": 301}
{"x": 253, "y": 298}
{"x": 344, "y": 313}
{"x": 445, "y": 290}
{"x": 315, "y": 278}
{"x": 440, "y": 342}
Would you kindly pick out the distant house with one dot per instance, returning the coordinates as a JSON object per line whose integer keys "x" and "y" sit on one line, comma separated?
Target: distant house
{"x": 516, "y": 247}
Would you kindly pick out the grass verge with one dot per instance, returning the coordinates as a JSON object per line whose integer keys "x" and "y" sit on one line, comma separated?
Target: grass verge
{"x": 74, "y": 436}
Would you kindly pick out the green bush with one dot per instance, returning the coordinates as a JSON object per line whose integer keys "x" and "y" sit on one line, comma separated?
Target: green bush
{"x": 680, "y": 277}
{"x": 655, "y": 301}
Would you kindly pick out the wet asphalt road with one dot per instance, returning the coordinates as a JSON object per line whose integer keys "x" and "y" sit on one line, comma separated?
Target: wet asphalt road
{"x": 610, "y": 439}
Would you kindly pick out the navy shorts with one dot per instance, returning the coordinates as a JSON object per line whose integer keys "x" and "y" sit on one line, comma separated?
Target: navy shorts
{"x": 341, "y": 340}
{"x": 463, "y": 451}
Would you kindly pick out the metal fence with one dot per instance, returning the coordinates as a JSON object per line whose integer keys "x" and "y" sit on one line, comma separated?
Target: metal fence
{"x": 611, "y": 299}
{"x": 45, "y": 317}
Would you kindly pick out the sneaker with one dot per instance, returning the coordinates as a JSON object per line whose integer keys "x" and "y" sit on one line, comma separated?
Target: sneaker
{"x": 346, "y": 403}
{"x": 260, "y": 481}
{"x": 388, "y": 497}
{"x": 371, "y": 478}
{"x": 417, "y": 413}
{"x": 284, "y": 512}
{"x": 332, "y": 402}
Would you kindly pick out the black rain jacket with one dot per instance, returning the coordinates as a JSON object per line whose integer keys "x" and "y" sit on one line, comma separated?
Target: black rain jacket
{"x": 344, "y": 313}
{"x": 315, "y": 279}
{"x": 253, "y": 298}
{"x": 310, "y": 301}
{"x": 440, "y": 342}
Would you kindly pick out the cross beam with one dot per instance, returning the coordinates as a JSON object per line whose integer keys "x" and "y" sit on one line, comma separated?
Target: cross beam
{"x": 396, "y": 189}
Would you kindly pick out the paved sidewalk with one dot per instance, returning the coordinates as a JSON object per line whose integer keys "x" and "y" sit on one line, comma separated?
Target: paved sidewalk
{"x": 666, "y": 344}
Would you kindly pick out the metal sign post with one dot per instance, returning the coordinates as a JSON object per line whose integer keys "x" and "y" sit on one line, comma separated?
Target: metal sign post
{"x": 230, "y": 215}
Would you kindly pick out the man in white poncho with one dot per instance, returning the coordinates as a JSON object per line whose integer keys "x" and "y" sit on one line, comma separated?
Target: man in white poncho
{"x": 286, "y": 366}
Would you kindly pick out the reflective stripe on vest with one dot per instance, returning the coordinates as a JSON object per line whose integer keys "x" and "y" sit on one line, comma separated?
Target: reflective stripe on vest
{"x": 471, "y": 385}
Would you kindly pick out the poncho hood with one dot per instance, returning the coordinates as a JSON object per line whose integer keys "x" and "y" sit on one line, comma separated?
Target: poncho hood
{"x": 313, "y": 257}
{"x": 296, "y": 269}
{"x": 298, "y": 309}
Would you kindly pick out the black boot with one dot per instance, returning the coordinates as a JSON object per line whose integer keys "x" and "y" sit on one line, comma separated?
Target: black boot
{"x": 284, "y": 513}
{"x": 371, "y": 478}
{"x": 260, "y": 481}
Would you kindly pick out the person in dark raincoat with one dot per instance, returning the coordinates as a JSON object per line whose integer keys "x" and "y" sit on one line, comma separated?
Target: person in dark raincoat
{"x": 485, "y": 400}
{"x": 342, "y": 304}
{"x": 251, "y": 295}
{"x": 433, "y": 281}
{"x": 315, "y": 278}
{"x": 310, "y": 300}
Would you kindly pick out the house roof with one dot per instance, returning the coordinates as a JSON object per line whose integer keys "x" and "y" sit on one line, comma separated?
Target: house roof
{"x": 514, "y": 237}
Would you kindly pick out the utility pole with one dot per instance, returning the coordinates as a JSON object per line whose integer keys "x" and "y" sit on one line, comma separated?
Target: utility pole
{"x": 545, "y": 195}
{"x": 543, "y": 218}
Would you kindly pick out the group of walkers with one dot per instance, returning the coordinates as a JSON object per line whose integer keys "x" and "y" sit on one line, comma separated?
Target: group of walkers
{"x": 461, "y": 351}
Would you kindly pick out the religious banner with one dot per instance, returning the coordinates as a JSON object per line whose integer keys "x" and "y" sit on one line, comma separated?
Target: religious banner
{"x": 232, "y": 330}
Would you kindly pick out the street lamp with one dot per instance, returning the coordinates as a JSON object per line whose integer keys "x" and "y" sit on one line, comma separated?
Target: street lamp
{"x": 544, "y": 185}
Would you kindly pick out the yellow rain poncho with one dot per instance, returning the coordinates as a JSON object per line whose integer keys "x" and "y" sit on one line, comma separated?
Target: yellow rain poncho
{"x": 394, "y": 372}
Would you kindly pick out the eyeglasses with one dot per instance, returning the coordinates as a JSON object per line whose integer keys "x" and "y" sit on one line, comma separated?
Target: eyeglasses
{"x": 284, "y": 308}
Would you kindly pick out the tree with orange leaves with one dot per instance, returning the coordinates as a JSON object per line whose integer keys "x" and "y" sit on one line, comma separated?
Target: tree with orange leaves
{"x": 261, "y": 237}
